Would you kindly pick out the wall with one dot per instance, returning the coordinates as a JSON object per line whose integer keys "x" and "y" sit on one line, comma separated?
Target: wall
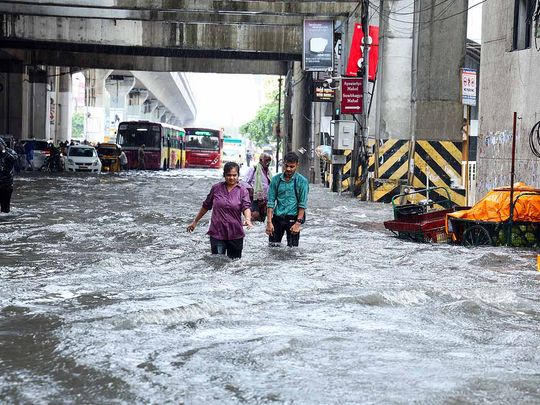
{"x": 437, "y": 109}
{"x": 509, "y": 82}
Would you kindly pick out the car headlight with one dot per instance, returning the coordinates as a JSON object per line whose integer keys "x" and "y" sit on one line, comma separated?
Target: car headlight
{"x": 95, "y": 162}
{"x": 71, "y": 162}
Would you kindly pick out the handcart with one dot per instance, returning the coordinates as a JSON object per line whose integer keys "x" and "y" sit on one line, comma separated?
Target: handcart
{"x": 420, "y": 216}
{"x": 494, "y": 221}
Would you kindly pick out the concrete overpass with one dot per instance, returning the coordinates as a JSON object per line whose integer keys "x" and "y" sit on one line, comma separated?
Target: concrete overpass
{"x": 260, "y": 37}
{"x": 190, "y": 35}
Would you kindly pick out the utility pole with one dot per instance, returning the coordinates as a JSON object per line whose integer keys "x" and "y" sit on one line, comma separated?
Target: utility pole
{"x": 365, "y": 93}
{"x": 359, "y": 148}
{"x": 278, "y": 126}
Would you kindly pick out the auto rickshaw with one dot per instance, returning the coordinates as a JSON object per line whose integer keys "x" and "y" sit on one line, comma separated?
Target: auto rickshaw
{"x": 109, "y": 154}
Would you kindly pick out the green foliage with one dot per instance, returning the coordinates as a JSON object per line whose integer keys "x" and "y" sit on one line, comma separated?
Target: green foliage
{"x": 260, "y": 128}
{"x": 77, "y": 125}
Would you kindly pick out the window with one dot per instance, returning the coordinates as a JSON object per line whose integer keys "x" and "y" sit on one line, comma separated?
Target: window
{"x": 523, "y": 13}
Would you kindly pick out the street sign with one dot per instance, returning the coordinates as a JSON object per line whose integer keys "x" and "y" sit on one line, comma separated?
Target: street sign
{"x": 351, "y": 96}
{"x": 468, "y": 87}
{"x": 322, "y": 92}
{"x": 318, "y": 52}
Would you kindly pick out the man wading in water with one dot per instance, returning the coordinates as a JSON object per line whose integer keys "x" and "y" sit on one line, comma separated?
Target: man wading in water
{"x": 287, "y": 202}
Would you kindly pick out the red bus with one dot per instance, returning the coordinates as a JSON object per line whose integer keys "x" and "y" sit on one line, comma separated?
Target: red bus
{"x": 203, "y": 147}
{"x": 163, "y": 144}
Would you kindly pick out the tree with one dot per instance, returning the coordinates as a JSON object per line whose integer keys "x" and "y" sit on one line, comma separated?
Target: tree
{"x": 260, "y": 128}
{"x": 77, "y": 125}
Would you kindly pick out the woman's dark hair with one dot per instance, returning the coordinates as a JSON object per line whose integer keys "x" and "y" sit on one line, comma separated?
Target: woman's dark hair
{"x": 291, "y": 157}
{"x": 229, "y": 166}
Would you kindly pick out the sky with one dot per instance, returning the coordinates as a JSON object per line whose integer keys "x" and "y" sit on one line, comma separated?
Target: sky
{"x": 227, "y": 100}
{"x": 474, "y": 23}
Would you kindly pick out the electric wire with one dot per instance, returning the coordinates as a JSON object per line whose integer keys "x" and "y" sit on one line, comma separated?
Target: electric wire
{"x": 437, "y": 19}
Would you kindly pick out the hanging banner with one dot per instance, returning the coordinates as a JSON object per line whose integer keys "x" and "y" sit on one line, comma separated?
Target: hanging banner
{"x": 352, "y": 98}
{"x": 356, "y": 51}
{"x": 468, "y": 87}
{"x": 318, "y": 52}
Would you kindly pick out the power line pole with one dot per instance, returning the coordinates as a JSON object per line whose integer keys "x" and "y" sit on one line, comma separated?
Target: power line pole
{"x": 359, "y": 154}
{"x": 365, "y": 93}
{"x": 278, "y": 126}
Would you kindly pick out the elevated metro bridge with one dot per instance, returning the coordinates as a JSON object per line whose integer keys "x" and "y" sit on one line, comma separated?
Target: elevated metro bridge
{"x": 163, "y": 35}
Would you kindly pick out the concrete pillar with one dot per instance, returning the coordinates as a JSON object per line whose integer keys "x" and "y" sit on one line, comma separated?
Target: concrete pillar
{"x": 301, "y": 116}
{"x": 11, "y": 98}
{"x": 36, "y": 123}
{"x": 118, "y": 87}
{"x": 165, "y": 116}
{"x": 64, "y": 106}
{"x": 148, "y": 108}
{"x": 440, "y": 53}
{"x": 96, "y": 104}
{"x": 136, "y": 99}
{"x": 158, "y": 112}
{"x": 95, "y": 92}
{"x": 393, "y": 108}
{"x": 286, "y": 127}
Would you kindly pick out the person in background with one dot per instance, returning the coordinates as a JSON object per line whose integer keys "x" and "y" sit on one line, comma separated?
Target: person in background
{"x": 29, "y": 152}
{"x": 8, "y": 159}
{"x": 258, "y": 177}
{"x": 123, "y": 160}
{"x": 21, "y": 159}
{"x": 227, "y": 200}
{"x": 287, "y": 202}
{"x": 249, "y": 156}
{"x": 140, "y": 156}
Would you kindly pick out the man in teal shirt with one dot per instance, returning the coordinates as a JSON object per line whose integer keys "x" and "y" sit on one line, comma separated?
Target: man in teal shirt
{"x": 287, "y": 202}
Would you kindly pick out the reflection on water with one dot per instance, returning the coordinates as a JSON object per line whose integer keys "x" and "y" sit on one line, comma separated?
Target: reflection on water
{"x": 105, "y": 299}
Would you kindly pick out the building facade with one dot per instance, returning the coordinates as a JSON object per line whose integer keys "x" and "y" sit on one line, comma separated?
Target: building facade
{"x": 509, "y": 83}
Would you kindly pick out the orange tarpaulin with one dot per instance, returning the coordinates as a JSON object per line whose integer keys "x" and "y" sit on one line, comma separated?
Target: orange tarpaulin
{"x": 495, "y": 206}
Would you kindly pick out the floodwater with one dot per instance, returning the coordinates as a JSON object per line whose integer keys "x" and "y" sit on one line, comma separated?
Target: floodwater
{"x": 105, "y": 299}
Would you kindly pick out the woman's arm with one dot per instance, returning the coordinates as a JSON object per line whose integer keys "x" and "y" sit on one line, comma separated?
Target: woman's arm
{"x": 191, "y": 227}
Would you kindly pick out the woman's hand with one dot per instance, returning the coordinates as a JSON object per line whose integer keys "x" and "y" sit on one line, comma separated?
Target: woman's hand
{"x": 191, "y": 227}
{"x": 248, "y": 223}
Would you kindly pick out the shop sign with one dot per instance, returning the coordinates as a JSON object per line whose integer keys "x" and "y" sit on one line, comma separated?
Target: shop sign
{"x": 322, "y": 92}
{"x": 352, "y": 98}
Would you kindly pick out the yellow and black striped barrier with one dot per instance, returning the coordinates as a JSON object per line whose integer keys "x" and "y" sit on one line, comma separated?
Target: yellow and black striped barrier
{"x": 438, "y": 164}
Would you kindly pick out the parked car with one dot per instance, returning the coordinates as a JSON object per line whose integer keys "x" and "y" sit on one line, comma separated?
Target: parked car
{"x": 41, "y": 151}
{"x": 82, "y": 158}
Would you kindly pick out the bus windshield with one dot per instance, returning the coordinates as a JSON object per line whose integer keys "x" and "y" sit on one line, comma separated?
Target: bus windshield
{"x": 202, "y": 139}
{"x": 135, "y": 134}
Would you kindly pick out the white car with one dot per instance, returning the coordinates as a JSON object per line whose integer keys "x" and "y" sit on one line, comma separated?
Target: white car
{"x": 82, "y": 158}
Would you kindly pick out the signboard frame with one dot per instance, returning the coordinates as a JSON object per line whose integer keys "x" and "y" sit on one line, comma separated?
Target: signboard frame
{"x": 322, "y": 92}
{"x": 318, "y": 45}
{"x": 352, "y": 96}
{"x": 469, "y": 81}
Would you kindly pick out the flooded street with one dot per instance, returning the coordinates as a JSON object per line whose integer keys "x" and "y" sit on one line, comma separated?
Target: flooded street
{"x": 104, "y": 298}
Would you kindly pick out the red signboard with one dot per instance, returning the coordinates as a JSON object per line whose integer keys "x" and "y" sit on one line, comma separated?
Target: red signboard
{"x": 355, "y": 53}
{"x": 351, "y": 96}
